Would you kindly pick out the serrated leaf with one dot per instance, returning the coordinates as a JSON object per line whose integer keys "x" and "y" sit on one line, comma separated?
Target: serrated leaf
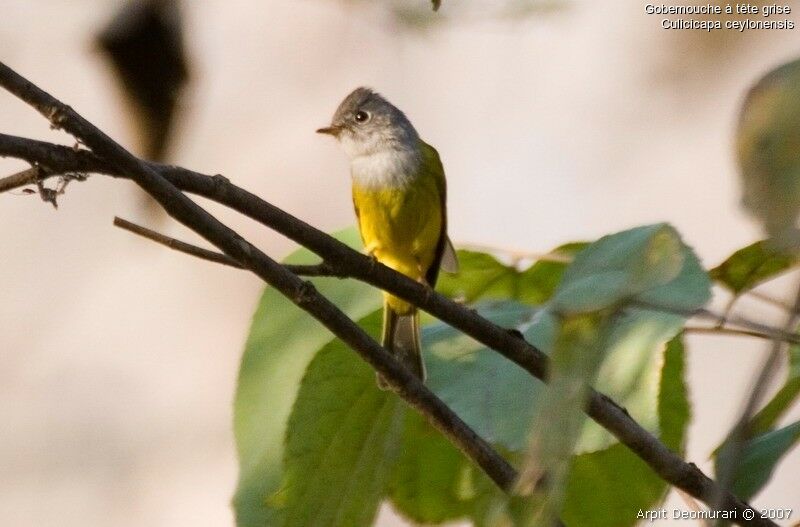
{"x": 485, "y": 389}
{"x": 649, "y": 264}
{"x": 341, "y": 441}
{"x": 599, "y": 491}
{"x": 282, "y": 341}
{"x": 752, "y": 265}
{"x": 674, "y": 412}
{"x": 631, "y": 371}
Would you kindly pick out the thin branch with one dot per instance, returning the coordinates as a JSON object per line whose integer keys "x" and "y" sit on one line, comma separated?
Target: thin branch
{"x": 741, "y": 333}
{"x": 20, "y": 179}
{"x": 704, "y": 313}
{"x": 172, "y": 243}
{"x": 302, "y": 293}
{"x": 769, "y": 300}
{"x": 726, "y": 313}
{"x": 351, "y": 263}
{"x": 320, "y": 269}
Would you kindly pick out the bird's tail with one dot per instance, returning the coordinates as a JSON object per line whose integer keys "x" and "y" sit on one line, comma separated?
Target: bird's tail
{"x": 401, "y": 337}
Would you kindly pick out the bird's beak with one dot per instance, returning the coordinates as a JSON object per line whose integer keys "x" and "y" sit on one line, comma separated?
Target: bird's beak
{"x": 330, "y": 130}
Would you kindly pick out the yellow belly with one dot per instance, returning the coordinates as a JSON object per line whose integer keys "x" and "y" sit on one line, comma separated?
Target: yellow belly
{"x": 401, "y": 227}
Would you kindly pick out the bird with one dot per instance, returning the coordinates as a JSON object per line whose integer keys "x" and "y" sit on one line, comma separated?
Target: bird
{"x": 400, "y": 198}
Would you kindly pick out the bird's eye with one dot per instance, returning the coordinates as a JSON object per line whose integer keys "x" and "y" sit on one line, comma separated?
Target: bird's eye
{"x": 362, "y": 117}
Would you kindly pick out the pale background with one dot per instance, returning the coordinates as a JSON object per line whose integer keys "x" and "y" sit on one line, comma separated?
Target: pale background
{"x": 118, "y": 359}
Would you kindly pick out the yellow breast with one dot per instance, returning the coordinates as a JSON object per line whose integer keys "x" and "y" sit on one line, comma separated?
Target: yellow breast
{"x": 401, "y": 225}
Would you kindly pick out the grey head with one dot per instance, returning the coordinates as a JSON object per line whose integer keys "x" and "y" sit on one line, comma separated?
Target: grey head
{"x": 365, "y": 124}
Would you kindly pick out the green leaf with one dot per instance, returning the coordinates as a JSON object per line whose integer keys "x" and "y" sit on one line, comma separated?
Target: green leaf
{"x": 599, "y": 492}
{"x": 480, "y": 276}
{"x": 759, "y": 457}
{"x": 489, "y": 392}
{"x": 492, "y": 394}
{"x": 483, "y": 277}
{"x": 341, "y": 441}
{"x": 607, "y": 488}
{"x": 749, "y": 267}
{"x": 765, "y": 419}
{"x": 485, "y": 389}
{"x": 766, "y": 445}
{"x": 282, "y": 341}
{"x": 629, "y": 373}
{"x": 580, "y": 347}
{"x": 433, "y": 481}
{"x": 537, "y": 284}
{"x": 647, "y": 264}
{"x": 674, "y": 412}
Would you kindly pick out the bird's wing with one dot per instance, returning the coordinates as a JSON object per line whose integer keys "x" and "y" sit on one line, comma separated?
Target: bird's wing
{"x": 449, "y": 262}
{"x": 358, "y": 219}
{"x": 445, "y": 256}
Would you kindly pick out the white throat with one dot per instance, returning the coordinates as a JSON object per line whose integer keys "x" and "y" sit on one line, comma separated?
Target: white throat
{"x": 387, "y": 167}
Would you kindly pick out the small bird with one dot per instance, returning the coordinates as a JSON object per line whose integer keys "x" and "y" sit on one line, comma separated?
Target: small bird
{"x": 399, "y": 194}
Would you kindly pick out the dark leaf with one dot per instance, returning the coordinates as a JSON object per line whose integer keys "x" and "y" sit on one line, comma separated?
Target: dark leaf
{"x": 752, "y": 265}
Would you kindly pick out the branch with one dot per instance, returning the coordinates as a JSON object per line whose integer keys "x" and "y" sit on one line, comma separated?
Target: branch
{"x": 20, "y": 179}
{"x": 791, "y": 339}
{"x": 770, "y": 300}
{"x": 114, "y": 161}
{"x": 321, "y": 269}
{"x": 721, "y": 320}
{"x": 177, "y": 245}
{"x": 302, "y": 293}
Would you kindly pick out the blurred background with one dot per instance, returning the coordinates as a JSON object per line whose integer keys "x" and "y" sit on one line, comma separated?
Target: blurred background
{"x": 556, "y": 121}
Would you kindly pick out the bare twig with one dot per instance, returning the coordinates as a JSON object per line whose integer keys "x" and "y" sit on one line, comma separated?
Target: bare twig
{"x": 727, "y": 311}
{"x": 112, "y": 160}
{"x": 742, "y": 333}
{"x": 320, "y": 269}
{"x": 769, "y": 300}
{"x": 707, "y": 314}
{"x": 20, "y": 179}
{"x": 177, "y": 245}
